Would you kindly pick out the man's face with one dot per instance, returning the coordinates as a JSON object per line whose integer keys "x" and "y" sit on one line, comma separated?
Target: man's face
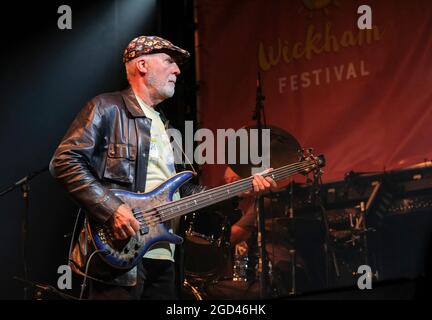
{"x": 162, "y": 74}
{"x": 230, "y": 176}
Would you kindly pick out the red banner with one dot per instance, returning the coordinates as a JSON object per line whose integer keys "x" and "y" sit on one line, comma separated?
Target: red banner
{"x": 362, "y": 98}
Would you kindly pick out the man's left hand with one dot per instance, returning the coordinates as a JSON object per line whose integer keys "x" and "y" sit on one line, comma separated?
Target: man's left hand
{"x": 261, "y": 185}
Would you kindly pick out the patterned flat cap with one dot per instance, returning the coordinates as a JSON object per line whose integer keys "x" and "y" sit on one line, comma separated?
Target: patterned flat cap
{"x": 152, "y": 44}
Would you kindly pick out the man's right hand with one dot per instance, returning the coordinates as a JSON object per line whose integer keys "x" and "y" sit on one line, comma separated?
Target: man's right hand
{"x": 123, "y": 223}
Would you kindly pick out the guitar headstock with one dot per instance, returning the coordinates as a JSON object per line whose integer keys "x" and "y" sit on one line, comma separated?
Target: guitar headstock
{"x": 315, "y": 162}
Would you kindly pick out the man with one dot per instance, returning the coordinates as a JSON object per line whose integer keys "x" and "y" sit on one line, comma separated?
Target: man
{"x": 118, "y": 140}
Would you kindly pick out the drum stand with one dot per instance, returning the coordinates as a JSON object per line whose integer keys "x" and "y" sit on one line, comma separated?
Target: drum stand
{"x": 329, "y": 252}
{"x": 292, "y": 250}
{"x": 263, "y": 269}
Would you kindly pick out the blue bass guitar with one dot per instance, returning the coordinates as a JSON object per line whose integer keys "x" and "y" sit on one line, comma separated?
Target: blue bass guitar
{"x": 154, "y": 208}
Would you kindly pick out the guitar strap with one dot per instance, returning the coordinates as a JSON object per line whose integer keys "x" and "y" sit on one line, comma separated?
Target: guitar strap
{"x": 133, "y": 146}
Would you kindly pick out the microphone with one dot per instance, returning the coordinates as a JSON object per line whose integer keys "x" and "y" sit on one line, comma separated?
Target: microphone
{"x": 259, "y": 96}
{"x": 259, "y": 86}
{"x": 259, "y": 105}
{"x": 258, "y": 79}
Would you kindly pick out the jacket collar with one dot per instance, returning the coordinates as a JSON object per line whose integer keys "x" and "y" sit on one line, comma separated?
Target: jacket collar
{"x": 132, "y": 104}
{"x": 134, "y": 108}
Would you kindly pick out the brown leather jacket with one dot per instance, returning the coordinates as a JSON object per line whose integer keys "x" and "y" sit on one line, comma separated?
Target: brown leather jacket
{"x": 107, "y": 146}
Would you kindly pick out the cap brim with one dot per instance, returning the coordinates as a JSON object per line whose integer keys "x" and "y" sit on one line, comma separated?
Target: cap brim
{"x": 180, "y": 56}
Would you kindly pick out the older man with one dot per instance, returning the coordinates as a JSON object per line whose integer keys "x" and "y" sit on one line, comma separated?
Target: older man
{"x": 119, "y": 140}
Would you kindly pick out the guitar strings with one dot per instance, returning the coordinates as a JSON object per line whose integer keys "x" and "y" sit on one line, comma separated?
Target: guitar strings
{"x": 154, "y": 216}
{"x": 236, "y": 185}
{"x": 160, "y": 214}
{"x": 278, "y": 172}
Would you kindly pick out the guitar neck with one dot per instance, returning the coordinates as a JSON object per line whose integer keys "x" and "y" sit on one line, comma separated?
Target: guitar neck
{"x": 207, "y": 198}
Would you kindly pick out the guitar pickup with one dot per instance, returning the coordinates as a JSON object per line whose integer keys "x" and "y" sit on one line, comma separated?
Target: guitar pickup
{"x": 144, "y": 229}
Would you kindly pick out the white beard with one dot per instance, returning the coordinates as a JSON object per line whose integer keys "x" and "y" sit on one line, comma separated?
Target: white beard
{"x": 165, "y": 90}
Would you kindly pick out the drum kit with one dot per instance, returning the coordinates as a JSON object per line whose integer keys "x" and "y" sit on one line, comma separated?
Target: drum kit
{"x": 215, "y": 269}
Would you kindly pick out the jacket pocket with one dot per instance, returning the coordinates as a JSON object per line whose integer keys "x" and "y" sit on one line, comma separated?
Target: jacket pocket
{"x": 120, "y": 163}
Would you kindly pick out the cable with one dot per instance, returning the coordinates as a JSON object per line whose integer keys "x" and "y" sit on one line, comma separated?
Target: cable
{"x": 83, "y": 285}
{"x": 73, "y": 235}
{"x": 186, "y": 157}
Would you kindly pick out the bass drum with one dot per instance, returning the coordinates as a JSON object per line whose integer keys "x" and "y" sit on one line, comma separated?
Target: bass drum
{"x": 206, "y": 247}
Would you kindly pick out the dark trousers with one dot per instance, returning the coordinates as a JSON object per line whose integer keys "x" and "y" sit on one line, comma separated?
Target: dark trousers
{"x": 156, "y": 281}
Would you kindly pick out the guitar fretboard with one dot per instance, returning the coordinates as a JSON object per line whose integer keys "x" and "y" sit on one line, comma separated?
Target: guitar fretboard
{"x": 201, "y": 200}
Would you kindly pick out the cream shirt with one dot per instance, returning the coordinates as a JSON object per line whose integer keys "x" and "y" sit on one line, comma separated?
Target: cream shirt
{"x": 160, "y": 168}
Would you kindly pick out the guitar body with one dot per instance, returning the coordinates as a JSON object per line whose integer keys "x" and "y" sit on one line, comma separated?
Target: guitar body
{"x": 119, "y": 256}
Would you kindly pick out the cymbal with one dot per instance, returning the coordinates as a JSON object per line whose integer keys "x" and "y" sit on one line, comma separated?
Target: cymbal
{"x": 284, "y": 150}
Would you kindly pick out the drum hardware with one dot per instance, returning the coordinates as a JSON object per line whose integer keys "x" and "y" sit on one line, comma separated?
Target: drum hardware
{"x": 284, "y": 148}
{"x": 352, "y": 242}
{"x": 330, "y": 259}
{"x": 207, "y": 247}
{"x": 241, "y": 263}
{"x": 189, "y": 289}
{"x": 292, "y": 251}
{"x": 360, "y": 228}
{"x": 245, "y": 264}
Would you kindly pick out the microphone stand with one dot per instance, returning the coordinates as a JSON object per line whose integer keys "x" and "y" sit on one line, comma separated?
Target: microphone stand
{"x": 293, "y": 240}
{"x": 328, "y": 248}
{"x": 44, "y": 288}
{"x": 263, "y": 267}
{"x": 23, "y": 183}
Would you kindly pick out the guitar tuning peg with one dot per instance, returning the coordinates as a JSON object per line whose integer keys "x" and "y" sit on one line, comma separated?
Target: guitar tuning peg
{"x": 302, "y": 153}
